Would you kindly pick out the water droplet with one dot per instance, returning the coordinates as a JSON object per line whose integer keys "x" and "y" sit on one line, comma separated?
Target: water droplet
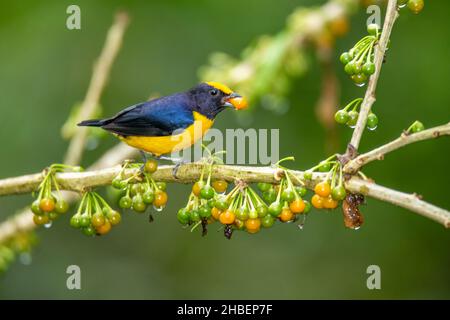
{"x": 360, "y": 84}
{"x": 158, "y": 209}
{"x": 48, "y": 225}
{"x": 402, "y": 5}
{"x": 25, "y": 258}
{"x": 356, "y": 228}
{"x": 353, "y": 127}
{"x": 372, "y": 128}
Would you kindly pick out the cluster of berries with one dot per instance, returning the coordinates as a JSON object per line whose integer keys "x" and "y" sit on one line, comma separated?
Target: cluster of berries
{"x": 330, "y": 192}
{"x": 358, "y": 61}
{"x": 349, "y": 115}
{"x": 243, "y": 208}
{"x": 138, "y": 193}
{"x": 94, "y": 216}
{"x": 49, "y": 205}
{"x": 415, "y": 6}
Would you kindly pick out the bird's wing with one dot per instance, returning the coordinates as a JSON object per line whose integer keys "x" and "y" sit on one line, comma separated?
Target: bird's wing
{"x": 159, "y": 117}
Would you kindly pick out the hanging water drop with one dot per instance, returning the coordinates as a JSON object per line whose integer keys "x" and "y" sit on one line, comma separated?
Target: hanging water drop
{"x": 158, "y": 209}
{"x": 372, "y": 128}
{"x": 48, "y": 225}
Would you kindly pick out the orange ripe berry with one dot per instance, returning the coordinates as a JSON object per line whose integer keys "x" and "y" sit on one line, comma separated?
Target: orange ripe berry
{"x": 220, "y": 186}
{"x": 317, "y": 201}
{"x": 227, "y": 217}
{"x": 197, "y": 187}
{"x": 253, "y": 225}
{"x": 323, "y": 189}
{"x": 47, "y": 204}
{"x": 329, "y": 203}
{"x": 239, "y": 103}
{"x": 104, "y": 228}
{"x": 297, "y": 206}
{"x": 160, "y": 199}
{"x": 215, "y": 213}
{"x": 286, "y": 215}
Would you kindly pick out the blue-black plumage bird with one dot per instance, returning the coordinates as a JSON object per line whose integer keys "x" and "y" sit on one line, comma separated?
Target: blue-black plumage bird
{"x": 171, "y": 123}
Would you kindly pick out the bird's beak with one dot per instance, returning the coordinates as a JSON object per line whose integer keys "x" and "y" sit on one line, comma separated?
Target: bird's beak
{"x": 235, "y": 100}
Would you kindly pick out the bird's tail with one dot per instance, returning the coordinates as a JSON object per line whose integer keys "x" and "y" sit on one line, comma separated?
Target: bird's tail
{"x": 93, "y": 123}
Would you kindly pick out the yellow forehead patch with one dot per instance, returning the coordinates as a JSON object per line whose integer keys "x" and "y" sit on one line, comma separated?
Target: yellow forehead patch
{"x": 220, "y": 86}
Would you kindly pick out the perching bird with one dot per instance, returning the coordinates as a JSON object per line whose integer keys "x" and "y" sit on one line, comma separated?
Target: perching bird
{"x": 165, "y": 125}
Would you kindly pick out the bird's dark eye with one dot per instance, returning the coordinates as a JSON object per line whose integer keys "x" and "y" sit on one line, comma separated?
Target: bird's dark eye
{"x": 213, "y": 92}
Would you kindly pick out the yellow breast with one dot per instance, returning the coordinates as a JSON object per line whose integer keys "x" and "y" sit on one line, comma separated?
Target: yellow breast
{"x": 168, "y": 144}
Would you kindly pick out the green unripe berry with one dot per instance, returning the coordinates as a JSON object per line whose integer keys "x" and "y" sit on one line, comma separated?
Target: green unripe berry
{"x": 267, "y": 221}
{"x": 275, "y": 209}
{"x": 204, "y": 212}
{"x": 359, "y": 79}
{"x": 148, "y": 197}
{"x": 262, "y": 186}
{"x": 75, "y": 221}
{"x": 85, "y": 221}
{"x": 372, "y": 121}
{"x": 352, "y": 118}
{"x": 288, "y": 195}
{"x": 301, "y": 191}
{"x": 161, "y": 185}
{"x": 417, "y": 127}
{"x": 195, "y": 216}
{"x": 341, "y": 116}
{"x": 89, "y": 231}
{"x": 350, "y": 68}
{"x": 262, "y": 210}
{"x": 138, "y": 203}
{"x": 307, "y": 206}
{"x": 270, "y": 195}
{"x": 117, "y": 183}
{"x": 345, "y": 58}
{"x": 338, "y": 193}
{"x": 61, "y": 206}
{"x": 324, "y": 166}
{"x": 125, "y": 202}
{"x": 36, "y": 209}
{"x": 183, "y": 216}
{"x": 242, "y": 214}
{"x": 207, "y": 192}
{"x": 368, "y": 68}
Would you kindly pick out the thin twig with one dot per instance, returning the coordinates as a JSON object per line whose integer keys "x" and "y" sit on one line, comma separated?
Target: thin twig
{"x": 100, "y": 75}
{"x": 378, "y": 154}
{"x": 369, "y": 98}
{"x": 412, "y": 202}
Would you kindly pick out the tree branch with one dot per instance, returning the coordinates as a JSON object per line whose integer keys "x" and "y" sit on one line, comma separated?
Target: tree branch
{"x": 187, "y": 173}
{"x": 378, "y": 154}
{"x": 412, "y": 202}
{"x": 100, "y": 75}
{"x": 190, "y": 173}
{"x": 369, "y": 98}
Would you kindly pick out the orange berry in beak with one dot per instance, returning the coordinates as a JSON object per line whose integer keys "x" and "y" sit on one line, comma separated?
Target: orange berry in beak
{"x": 239, "y": 103}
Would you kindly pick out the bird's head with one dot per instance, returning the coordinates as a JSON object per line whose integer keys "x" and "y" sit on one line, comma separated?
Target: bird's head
{"x": 210, "y": 98}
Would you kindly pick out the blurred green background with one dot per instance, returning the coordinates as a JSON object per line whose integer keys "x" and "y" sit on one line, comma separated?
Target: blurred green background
{"x": 45, "y": 69}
